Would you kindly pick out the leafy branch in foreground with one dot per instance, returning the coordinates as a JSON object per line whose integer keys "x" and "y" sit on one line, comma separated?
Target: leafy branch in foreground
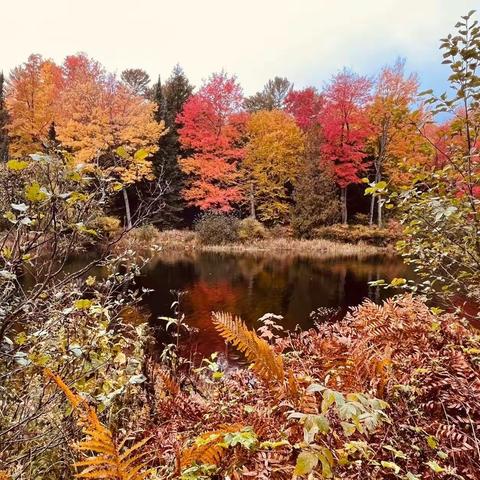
{"x": 110, "y": 460}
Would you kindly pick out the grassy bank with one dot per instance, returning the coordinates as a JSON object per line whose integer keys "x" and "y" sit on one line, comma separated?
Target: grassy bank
{"x": 147, "y": 239}
{"x": 312, "y": 248}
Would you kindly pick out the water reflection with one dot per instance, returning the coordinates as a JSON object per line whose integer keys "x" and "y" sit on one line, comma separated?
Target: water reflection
{"x": 251, "y": 285}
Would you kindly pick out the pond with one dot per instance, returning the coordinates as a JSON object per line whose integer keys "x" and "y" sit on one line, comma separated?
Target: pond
{"x": 250, "y": 285}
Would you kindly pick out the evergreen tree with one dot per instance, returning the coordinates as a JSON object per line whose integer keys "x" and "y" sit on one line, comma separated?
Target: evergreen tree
{"x": 170, "y": 99}
{"x": 316, "y": 194}
{"x": 3, "y": 122}
{"x": 272, "y": 97}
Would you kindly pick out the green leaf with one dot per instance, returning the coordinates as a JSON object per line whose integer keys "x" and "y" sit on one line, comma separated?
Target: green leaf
{"x": 411, "y": 476}
{"x": 432, "y": 442}
{"x": 306, "y": 462}
{"x": 82, "y": 304}
{"x": 348, "y": 428}
{"x": 34, "y": 193}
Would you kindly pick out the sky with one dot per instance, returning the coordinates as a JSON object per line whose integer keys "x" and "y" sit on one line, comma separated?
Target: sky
{"x": 304, "y": 40}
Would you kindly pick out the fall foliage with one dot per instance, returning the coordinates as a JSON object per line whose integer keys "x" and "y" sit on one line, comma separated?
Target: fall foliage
{"x": 272, "y": 161}
{"x": 92, "y": 111}
{"x": 346, "y": 128}
{"x": 213, "y": 125}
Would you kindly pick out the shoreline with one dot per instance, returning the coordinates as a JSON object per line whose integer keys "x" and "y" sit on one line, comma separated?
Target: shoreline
{"x": 187, "y": 241}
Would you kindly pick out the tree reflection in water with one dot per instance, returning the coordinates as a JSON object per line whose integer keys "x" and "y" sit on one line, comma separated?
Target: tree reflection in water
{"x": 252, "y": 285}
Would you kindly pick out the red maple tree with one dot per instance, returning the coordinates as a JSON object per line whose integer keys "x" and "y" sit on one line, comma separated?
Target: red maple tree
{"x": 305, "y": 106}
{"x": 345, "y": 129}
{"x": 213, "y": 124}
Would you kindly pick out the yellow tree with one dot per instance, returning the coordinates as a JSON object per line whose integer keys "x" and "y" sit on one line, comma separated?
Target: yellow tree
{"x": 32, "y": 96}
{"x": 99, "y": 113}
{"x": 272, "y": 161}
{"x": 93, "y": 112}
{"x": 107, "y": 125}
{"x": 394, "y": 134}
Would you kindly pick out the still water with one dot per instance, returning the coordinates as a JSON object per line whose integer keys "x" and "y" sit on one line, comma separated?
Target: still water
{"x": 252, "y": 285}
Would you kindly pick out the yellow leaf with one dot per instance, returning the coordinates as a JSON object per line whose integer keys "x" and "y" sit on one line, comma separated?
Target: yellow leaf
{"x": 33, "y": 193}
{"x": 17, "y": 164}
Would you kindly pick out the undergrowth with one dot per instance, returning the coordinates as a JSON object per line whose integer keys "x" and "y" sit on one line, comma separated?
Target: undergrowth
{"x": 392, "y": 391}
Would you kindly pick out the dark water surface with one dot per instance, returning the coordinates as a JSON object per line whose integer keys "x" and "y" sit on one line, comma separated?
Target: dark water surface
{"x": 252, "y": 285}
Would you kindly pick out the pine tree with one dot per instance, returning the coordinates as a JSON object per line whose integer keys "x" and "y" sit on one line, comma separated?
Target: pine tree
{"x": 170, "y": 99}
{"x": 3, "y": 122}
{"x": 272, "y": 97}
{"x": 316, "y": 194}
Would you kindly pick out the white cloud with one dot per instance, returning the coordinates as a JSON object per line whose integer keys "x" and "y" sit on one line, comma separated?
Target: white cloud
{"x": 304, "y": 40}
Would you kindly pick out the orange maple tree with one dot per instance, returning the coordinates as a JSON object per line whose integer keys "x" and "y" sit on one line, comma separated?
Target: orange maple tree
{"x": 93, "y": 112}
{"x": 32, "y": 96}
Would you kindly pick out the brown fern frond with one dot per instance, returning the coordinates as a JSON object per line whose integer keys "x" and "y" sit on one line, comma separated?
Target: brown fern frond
{"x": 170, "y": 384}
{"x": 109, "y": 462}
{"x": 208, "y": 448}
{"x": 267, "y": 364}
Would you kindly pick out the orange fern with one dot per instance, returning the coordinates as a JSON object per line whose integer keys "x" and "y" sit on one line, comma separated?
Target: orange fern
{"x": 209, "y": 448}
{"x": 267, "y": 364}
{"x": 110, "y": 461}
{"x": 170, "y": 384}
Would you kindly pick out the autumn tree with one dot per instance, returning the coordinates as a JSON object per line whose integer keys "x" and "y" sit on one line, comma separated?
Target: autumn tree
{"x": 212, "y": 128}
{"x": 345, "y": 129}
{"x": 271, "y": 97}
{"x": 3, "y": 122}
{"x": 271, "y": 165}
{"x": 99, "y": 114}
{"x": 32, "y": 99}
{"x": 392, "y": 123}
{"x": 170, "y": 99}
{"x": 137, "y": 80}
{"x": 305, "y": 106}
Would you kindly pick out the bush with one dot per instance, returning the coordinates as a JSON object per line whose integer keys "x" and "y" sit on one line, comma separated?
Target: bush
{"x": 217, "y": 229}
{"x": 146, "y": 234}
{"x": 107, "y": 226}
{"x": 251, "y": 229}
{"x": 361, "y": 219}
{"x": 359, "y": 233}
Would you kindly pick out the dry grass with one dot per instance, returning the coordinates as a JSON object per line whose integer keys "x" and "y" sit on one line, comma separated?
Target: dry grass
{"x": 318, "y": 248}
{"x": 181, "y": 240}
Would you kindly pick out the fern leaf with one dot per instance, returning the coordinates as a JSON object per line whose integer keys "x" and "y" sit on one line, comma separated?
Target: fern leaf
{"x": 208, "y": 448}
{"x": 266, "y": 363}
{"x": 109, "y": 462}
{"x": 169, "y": 383}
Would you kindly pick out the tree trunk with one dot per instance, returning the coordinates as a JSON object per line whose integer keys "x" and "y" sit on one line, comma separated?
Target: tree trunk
{"x": 252, "y": 203}
{"x": 379, "y": 201}
{"x": 379, "y": 212}
{"x": 372, "y": 210}
{"x": 127, "y": 208}
{"x": 344, "y": 205}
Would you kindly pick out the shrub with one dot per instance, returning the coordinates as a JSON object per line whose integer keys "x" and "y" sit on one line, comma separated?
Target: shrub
{"x": 251, "y": 229}
{"x": 358, "y": 233}
{"x": 361, "y": 219}
{"x": 217, "y": 229}
{"x": 108, "y": 226}
{"x": 146, "y": 234}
